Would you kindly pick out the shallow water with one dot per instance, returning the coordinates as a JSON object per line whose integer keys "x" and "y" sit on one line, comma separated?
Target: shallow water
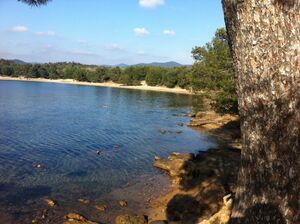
{"x": 61, "y": 127}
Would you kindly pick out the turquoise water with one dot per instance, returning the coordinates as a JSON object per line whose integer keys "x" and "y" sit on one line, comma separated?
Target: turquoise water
{"x": 61, "y": 128}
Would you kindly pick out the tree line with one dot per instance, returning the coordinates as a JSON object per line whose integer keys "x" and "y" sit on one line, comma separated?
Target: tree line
{"x": 211, "y": 73}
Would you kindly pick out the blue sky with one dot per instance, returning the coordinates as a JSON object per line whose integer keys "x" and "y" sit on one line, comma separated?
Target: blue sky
{"x": 107, "y": 31}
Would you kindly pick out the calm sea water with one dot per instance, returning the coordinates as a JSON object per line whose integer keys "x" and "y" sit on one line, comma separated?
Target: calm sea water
{"x": 61, "y": 127}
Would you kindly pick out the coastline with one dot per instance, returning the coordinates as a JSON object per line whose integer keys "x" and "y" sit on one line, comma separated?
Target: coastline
{"x": 143, "y": 87}
{"x": 202, "y": 184}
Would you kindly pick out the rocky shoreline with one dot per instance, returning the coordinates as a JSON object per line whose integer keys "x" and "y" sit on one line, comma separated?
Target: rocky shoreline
{"x": 202, "y": 183}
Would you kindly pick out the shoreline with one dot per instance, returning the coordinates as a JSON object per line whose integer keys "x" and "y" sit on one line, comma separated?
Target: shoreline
{"x": 205, "y": 180}
{"x": 143, "y": 87}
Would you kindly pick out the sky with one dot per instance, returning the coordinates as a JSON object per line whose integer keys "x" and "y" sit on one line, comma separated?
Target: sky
{"x": 107, "y": 32}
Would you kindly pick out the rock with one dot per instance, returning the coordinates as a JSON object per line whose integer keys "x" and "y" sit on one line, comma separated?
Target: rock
{"x": 178, "y": 132}
{"x": 84, "y": 201}
{"x": 123, "y": 203}
{"x": 163, "y": 131}
{"x": 223, "y": 216}
{"x": 131, "y": 219}
{"x": 39, "y": 166}
{"x": 174, "y": 165}
{"x": 50, "y": 202}
{"x": 98, "y": 152}
{"x": 116, "y": 147}
{"x": 157, "y": 158}
{"x": 211, "y": 120}
{"x": 74, "y": 218}
{"x": 101, "y": 208}
{"x": 181, "y": 124}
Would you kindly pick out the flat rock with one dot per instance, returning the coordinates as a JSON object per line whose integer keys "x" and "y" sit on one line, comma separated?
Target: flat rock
{"x": 131, "y": 219}
{"x": 174, "y": 163}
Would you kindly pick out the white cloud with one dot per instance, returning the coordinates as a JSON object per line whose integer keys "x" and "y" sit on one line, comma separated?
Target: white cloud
{"x": 141, "y": 32}
{"x": 19, "y": 29}
{"x": 47, "y": 33}
{"x": 169, "y": 32}
{"x": 141, "y": 52}
{"x": 151, "y": 3}
{"x": 115, "y": 47}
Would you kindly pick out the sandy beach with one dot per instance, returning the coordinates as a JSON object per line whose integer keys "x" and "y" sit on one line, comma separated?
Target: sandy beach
{"x": 143, "y": 85}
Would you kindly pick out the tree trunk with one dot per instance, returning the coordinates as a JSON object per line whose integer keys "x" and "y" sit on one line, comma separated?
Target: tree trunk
{"x": 265, "y": 42}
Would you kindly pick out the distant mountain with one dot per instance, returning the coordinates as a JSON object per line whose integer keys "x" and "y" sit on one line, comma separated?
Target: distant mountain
{"x": 122, "y": 65}
{"x": 17, "y": 61}
{"x": 169, "y": 64}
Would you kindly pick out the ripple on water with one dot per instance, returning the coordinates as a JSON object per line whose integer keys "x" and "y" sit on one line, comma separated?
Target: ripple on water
{"x": 62, "y": 127}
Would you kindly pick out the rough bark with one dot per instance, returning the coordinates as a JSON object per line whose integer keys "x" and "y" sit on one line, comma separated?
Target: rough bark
{"x": 265, "y": 42}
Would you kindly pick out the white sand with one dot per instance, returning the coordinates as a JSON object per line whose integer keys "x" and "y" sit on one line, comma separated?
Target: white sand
{"x": 144, "y": 86}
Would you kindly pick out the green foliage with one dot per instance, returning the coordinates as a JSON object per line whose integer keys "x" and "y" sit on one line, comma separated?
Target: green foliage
{"x": 154, "y": 76}
{"x": 35, "y": 2}
{"x": 6, "y": 70}
{"x": 213, "y": 72}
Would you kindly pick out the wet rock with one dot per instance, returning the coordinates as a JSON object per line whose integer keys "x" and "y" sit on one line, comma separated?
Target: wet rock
{"x": 181, "y": 124}
{"x": 174, "y": 164}
{"x": 162, "y": 131}
{"x": 101, "y": 208}
{"x": 98, "y": 152}
{"x": 178, "y": 132}
{"x": 38, "y": 166}
{"x": 74, "y": 218}
{"x": 131, "y": 219}
{"x": 84, "y": 201}
{"x": 50, "y": 202}
{"x": 123, "y": 203}
{"x": 157, "y": 158}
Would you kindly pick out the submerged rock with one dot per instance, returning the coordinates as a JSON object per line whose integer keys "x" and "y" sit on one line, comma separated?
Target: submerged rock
{"x": 98, "y": 152}
{"x": 84, "y": 201}
{"x": 101, "y": 208}
{"x": 163, "y": 131}
{"x": 123, "y": 203}
{"x": 50, "y": 202}
{"x": 116, "y": 147}
{"x": 174, "y": 164}
{"x": 74, "y": 218}
{"x": 131, "y": 219}
{"x": 39, "y": 167}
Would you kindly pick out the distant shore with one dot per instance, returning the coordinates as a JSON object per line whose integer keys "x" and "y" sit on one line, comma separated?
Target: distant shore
{"x": 143, "y": 85}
